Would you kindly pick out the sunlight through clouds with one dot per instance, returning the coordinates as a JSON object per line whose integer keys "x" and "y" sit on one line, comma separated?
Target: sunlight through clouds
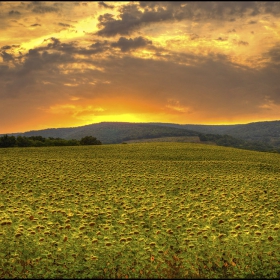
{"x": 217, "y": 61}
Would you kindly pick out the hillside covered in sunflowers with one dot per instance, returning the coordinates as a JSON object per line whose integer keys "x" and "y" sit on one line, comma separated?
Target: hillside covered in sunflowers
{"x": 141, "y": 210}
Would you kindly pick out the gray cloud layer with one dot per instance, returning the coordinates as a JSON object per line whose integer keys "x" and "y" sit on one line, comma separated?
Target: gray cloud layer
{"x": 14, "y": 13}
{"x": 212, "y": 81}
{"x": 43, "y": 7}
{"x": 132, "y": 17}
{"x": 102, "y": 4}
{"x": 128, "y": 44}
{"x": 209, "y": 84}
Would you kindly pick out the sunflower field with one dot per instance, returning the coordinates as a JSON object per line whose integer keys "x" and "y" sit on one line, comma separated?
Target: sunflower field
{"x": 141, "y": 210}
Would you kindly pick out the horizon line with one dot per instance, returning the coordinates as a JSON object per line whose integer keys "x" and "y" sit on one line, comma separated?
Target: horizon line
{"x": 139, "y": 123}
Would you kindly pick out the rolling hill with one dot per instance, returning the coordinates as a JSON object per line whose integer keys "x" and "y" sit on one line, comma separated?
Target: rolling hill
{"x": 111, "y": 132}
{"x": 262, "y": 136}
{"x": 268, "y": 131}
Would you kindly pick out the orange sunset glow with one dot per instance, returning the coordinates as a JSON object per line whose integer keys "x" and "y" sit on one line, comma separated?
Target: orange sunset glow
{"x": 67, "y": 64}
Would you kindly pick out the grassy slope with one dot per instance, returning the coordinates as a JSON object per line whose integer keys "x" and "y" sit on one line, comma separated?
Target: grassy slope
{"x": 116, "y": 131}
{"x": 113, "y": 132}
{"x": 268, "y": 132}
{"x": 180, "y": 139}
{"x": 110, "y": 132}
{"x": 259, "y": 131}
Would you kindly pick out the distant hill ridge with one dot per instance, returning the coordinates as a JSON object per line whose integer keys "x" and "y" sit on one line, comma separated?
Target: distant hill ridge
{"x": 111, "y": 132}
{"x": 250, "y": 130}
{"x": 267, "y": 132}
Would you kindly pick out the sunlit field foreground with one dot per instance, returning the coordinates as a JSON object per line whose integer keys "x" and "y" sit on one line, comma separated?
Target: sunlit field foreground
{"x": 154, "y": 210}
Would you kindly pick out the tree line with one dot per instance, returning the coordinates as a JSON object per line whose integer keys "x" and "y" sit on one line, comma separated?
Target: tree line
{"x": 229, "y": 141}
{"x": 7, "y": 141}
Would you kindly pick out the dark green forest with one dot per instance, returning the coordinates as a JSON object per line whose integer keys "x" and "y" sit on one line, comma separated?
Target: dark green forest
{"x": 7, "y": 141}
{"x": 260, "y": 136}
{"x": 229, "y": 141}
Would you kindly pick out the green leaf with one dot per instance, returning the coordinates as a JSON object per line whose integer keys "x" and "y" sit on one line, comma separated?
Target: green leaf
{"x": 19, "y": 268}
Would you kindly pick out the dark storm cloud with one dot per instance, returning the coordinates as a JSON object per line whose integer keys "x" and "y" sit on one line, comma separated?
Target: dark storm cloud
{"x": 128, "y": 44}
{"x": 131, "y": 17}
{"x": 212, "y": 84}
{"x": 46, "y": 63}
{"x": 273, "y": 56}
{"x": 65, "y": 24}
{"x": 54, "y": 42}
{"x": 41, "y": 7}
{"x": 6, "y": 56}
{"x": 209, "y": 84}
{"x": 252, "y": 22}
{"x": 3, "y": 68}
{"x": 201, "y": 79}
{"x": 99, "y": 46}
{"x": 6, "y": 47}
{"x": 35, "y": 24}
{"x": 14, "y": 13}
{"x": 274, "y": 53}
{"x": 221, "y": 39}
{"x": 243, "y": 43}
{"x": 27, "y": 76}
{"x": 9, "y": 47}
{"x": 102, "y": 4}
{"x": 43, "y": 63}
{"x": 44, "y": 9}
{"x": 272, "y": 7}
{"x": 269, "y": 75}
{"x": 73, "y": 48}
{"x": 194, "y": 36}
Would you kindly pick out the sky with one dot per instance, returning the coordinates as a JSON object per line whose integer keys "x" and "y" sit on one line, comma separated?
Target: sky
{"x": 67, "y": 64}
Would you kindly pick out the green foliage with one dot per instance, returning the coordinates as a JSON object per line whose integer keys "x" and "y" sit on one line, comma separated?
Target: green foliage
{"x": 39, "y": 141}
{"x": 262, "y": 133}
{"x": 110, "y": 133}
{"x": 23, "y": 141}
{"x": 157, "y": 210}
{"x": 90, "y": 140}
{"x": 229, "y": 141}
{"x": 7, "y": 141}
{"x": 37, "y": 138}
{"x": 260, "y": 136}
